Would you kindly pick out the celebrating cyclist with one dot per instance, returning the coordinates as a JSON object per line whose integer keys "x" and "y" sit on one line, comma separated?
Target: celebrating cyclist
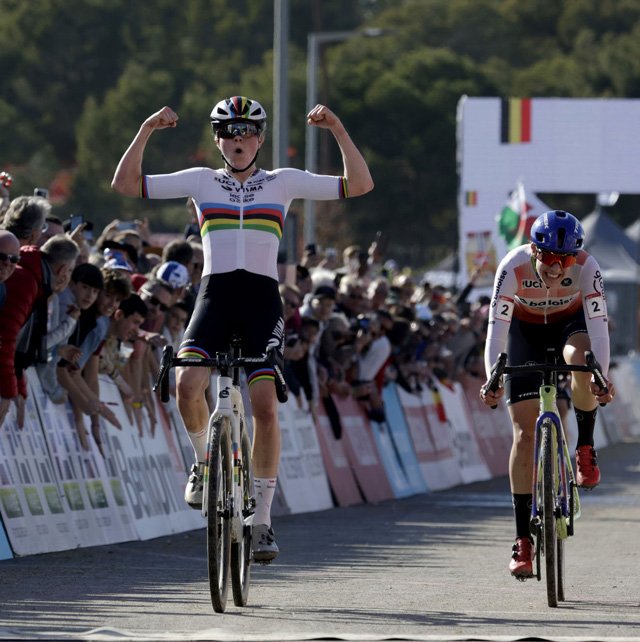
{"x": 547, "y": 294}
{"x": 241, "y": 213}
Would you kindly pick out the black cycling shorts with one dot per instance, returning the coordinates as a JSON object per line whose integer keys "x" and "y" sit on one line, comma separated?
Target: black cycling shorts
{"x": 238, "y": 303}
{"x": 528, "y": 343}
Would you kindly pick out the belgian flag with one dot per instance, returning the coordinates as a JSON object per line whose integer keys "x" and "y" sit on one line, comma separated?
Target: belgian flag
{"x": 515, "y": 120}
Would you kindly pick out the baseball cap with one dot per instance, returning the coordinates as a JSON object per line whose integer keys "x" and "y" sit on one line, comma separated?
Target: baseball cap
{"x": 116, "y": 260}
{"x": 174, "y": 273}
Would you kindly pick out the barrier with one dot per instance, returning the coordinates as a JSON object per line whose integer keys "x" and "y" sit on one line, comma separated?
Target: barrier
{"x": 341, "y": 478}
{"x": 301, "y": 475}
{"x": 54, "y": 495}
{"x": 362, "y": 452}
{"x": 447, "y": 469}
{"x": 398, "y": 430}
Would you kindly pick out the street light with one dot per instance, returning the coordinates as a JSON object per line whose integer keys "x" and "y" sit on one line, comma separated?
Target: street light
{"x": 314, "y": 40}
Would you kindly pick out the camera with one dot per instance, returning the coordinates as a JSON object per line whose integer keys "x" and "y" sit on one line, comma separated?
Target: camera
{"x": 41, "y": 191}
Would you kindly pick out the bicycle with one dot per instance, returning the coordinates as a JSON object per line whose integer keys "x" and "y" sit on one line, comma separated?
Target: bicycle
{"x": 228, "y": 501}
{"x": 556, "y": 502}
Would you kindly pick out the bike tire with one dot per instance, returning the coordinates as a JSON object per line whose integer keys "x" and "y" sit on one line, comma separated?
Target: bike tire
{"x": 241, "y": 550}
{"x": 549, "y": 513}
{"x": 561, "y": 574}
{"x": 220, "y": 478}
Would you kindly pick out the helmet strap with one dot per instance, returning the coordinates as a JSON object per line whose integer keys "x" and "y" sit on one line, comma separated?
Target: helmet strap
{"x": 236, "y": 170}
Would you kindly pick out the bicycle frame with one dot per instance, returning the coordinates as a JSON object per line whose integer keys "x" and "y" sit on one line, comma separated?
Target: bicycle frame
{"x": 229, "y": 404}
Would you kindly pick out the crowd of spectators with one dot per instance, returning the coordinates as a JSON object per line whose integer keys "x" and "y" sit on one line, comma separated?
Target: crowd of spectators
{"x": 74, "y": 305}
{"x": 353, "y": 325}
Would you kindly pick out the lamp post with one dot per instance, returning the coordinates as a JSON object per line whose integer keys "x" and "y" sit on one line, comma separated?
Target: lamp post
{"x": 314, "y": 40}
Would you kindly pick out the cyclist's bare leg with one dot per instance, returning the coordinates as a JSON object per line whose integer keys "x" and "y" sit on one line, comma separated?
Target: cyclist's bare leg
{"x": 573, "y": 354}
{"x": 266, "y": 440}
{"x": 523, "y": 417}
{"x": 192, "y": 404}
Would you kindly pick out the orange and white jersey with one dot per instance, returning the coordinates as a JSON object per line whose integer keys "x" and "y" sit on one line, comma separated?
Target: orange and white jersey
{"x": 519, "y": 292}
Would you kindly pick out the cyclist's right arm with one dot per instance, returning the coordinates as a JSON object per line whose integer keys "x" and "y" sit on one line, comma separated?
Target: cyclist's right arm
{"x": 127, "y": 178}
{"x": 500, "y": 314}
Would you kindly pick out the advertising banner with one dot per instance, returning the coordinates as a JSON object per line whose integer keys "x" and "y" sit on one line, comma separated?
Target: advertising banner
{"x": 302, "y": 472}
{"x": 472, "y": 465}
{"x": 336, "y": 462}
{"x": 362, "y": 452}
{"x": 5, "y": 548}
{"x": 398, "y": 429}
{"x": 447, "y": 468}
{"x": 491, "y": 427}
{"x": 150, "y": 468}
{"x": 36, "y": 517}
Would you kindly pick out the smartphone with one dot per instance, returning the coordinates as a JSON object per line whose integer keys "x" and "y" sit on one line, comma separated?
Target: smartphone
{"x": 41, "y": 191}
{"x": 127, "y": 225}
{"x": 75, "y": 220}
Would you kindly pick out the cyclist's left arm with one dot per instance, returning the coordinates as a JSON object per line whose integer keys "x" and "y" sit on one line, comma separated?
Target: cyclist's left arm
{"x": 595, "y": 312}
{"x": 356, "y": 172}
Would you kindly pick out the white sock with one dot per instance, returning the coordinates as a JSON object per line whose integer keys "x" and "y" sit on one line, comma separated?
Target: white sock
{"x": 199, "y": 443}
{"x": 265, "y": 488}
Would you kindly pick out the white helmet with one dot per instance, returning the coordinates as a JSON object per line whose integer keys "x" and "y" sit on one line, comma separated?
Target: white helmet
{"x": 239, "y": 108}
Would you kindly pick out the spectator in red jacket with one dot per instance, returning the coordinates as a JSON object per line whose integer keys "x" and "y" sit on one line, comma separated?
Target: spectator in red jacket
{"x": 9, "y": 257}
{"x": 40, "y": 272}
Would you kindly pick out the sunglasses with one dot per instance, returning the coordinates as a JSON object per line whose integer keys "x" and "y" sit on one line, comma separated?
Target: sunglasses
{"x": 14, "y": 258}
{"x": 154, "y": 301}
{"x": 231, "y": 130}
{"x": 289, "y": 302}
{"x": 549, "y": 258}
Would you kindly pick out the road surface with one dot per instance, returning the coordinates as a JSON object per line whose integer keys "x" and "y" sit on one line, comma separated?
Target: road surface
{"x": 430, "y": 567}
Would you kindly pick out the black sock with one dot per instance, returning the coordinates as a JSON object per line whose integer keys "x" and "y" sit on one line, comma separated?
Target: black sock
{"x": 586, "y": 424}
{"x": 522, "y": 512}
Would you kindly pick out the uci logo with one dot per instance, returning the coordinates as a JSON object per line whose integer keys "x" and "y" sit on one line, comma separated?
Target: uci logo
{"x": 224, "y": 393}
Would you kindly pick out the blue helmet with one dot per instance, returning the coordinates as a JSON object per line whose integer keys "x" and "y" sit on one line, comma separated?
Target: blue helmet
{"x": 557, "y": 231}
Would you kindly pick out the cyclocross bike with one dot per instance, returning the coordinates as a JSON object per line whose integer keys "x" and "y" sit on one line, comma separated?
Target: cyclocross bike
{"x": 555, "y": 503}
{"x": 228, "y": 501}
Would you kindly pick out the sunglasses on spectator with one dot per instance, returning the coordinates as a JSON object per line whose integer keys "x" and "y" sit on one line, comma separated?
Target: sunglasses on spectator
{"x": 14, "y": 258}
{"x": 293, "y": 304}
{"x": 549, "y": 258}
{"x": 155, "y": 301}
{"x": 231, "y": 130}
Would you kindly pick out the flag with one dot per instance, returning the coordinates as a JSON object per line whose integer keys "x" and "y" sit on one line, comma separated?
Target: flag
{"x": 517, "y": 216}
{"x": 515, "y": 120}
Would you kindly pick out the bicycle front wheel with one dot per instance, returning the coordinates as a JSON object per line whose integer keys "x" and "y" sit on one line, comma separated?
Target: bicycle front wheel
{"x": 219, "y": 480}
{"x": 241, "y": 550}
{"x": 549, "y": 486}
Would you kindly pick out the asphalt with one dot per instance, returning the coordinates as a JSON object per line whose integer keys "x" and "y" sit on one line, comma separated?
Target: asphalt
{"x": 430, "y": 567}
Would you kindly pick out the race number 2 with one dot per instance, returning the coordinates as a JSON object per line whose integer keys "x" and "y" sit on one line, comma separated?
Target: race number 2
{"x": 504, "y": 308}
{"x": 595, "y": 305}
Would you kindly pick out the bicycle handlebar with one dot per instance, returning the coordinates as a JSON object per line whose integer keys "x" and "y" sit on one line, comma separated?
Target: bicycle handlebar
{"x": 500, "y": 367}
{"x": 222, "y": 360}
